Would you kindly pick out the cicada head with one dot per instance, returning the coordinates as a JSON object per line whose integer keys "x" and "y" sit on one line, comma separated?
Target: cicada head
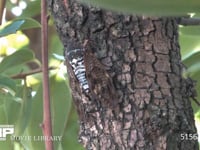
{"x": 74, "y": 54}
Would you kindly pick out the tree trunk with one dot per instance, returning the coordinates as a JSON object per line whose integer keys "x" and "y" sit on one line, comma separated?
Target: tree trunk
{"x": 152, "y": 109}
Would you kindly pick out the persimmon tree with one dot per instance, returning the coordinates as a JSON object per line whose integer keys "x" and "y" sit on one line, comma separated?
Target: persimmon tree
{"x": 142, "y": 56}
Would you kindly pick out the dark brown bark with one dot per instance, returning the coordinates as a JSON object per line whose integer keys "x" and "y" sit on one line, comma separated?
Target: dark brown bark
{"x": 143, "y": 57}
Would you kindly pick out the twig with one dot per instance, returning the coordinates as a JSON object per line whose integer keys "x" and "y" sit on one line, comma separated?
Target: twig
{"x": 189, "y": 21}
{"x": 47, "y": 125}
{"x": 24, "y": 75}
{"x": 196, "y": 101}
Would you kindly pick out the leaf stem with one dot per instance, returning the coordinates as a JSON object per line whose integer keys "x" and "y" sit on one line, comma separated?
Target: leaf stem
{"x": 24, "y": 75}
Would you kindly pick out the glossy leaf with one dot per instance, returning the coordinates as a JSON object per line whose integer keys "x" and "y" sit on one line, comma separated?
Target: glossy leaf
{"x": 189, "y": 45}
{"x": 19, "y": 24}
{"x": 192, "y": 60}
{"x": 11, "y": 28}
{"x": 17, "y": 58}
{"x": 59, "y": 57}
{"x": 149, "y": 7}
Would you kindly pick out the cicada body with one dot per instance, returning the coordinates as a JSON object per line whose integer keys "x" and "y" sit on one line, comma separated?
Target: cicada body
{"x": 90, "y": 74}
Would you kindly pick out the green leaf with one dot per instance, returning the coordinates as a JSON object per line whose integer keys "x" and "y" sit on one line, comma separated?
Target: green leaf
{"x": 8, "y": 83}
{"x": 189, "y": 45}
{"x": 55, "y": 45}
{"x": 149, "y": 7}
{"x": 3, "y": 120}
{"x": 33, "y": 9}
{"x": 3, "y": 114}
{"x": 11, "y": 28}
{"x": 196, "y": 15}
{"x": 17, "y": 58}
{"x": 19, "y": 24}
{"x": 29, "y": 23}
{"x": 6, "y": 144}
{"x": 192, "y": 59}
{"x": 190, "y": 30}
{"x": 70, "y": 137}
{"x": 11, "y": 108}
{"x": 59, "y": 57}
{"x": 8, "y": 115}
{"x": 36, "y": 118}
{"x": 193, "y": 69}
{"x": 60, "y": 107}
{"x": 25, "y": 111}
{"x": 196, "y": 77}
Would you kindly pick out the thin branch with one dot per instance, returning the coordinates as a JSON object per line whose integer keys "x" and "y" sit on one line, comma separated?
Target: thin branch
{"x": 2, "y": 6}
{"x": 189, "y": 21}
{"x": 24, "y": 75}
{"x": 196, "y": 101}
{"x": 47, "y": 125}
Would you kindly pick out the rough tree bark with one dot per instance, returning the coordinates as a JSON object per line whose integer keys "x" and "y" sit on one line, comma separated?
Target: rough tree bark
{"x": 142, "y": 56}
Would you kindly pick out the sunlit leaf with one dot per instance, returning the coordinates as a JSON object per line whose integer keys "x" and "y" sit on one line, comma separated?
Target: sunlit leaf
{"x": 11, "y": 28}
{"x": 13, "y": 42}
{"x": 193, "y": 69}
{"x": 192, "y": 59}
{"x": 189, "y": 45}
{"x": 149, "y": 7}
{"x": 17, "y": 58}
{"x": 59, "y": 57}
